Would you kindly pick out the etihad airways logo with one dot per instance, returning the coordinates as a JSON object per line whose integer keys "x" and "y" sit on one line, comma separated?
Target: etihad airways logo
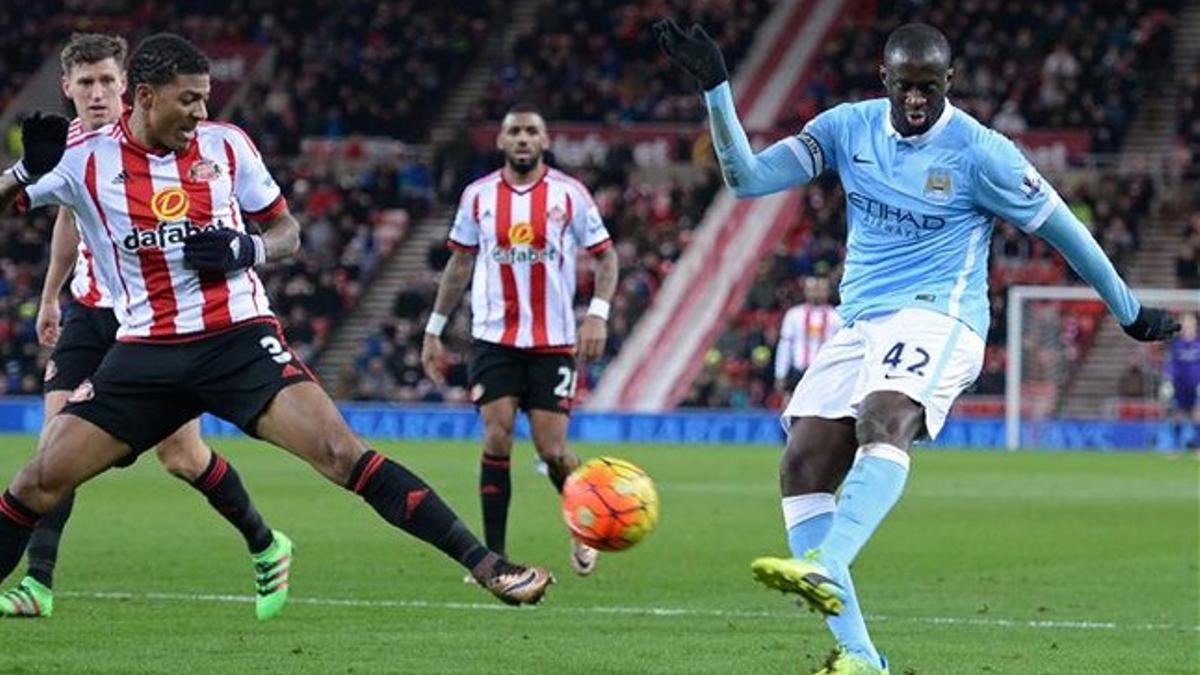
{"x": 893, "y": 219}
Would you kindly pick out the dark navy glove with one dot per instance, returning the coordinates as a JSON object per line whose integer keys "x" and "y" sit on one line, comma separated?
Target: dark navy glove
{"x": 223, "y": 250}
{"x": 1152, "y": 325}
{"x": 692, "y": 50}
{"x": 44, "y": 138}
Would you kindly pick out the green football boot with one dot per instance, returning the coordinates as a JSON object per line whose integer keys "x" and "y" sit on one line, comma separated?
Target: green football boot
{"x": 842, "y": 662}
{"x": 803, "y": 576}
{"x": 272, "y": 569}
{"x": 30, "y": 600}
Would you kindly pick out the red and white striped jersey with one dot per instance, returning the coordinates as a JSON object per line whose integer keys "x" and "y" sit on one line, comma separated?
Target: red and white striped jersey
{"x": 85, "y": 284}
{"x": 525, "y": 240}
{"x": 805, "y": 328}
{"x": 135, "y": 206}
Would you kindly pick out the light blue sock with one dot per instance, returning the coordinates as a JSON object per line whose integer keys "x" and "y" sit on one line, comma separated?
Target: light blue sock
{"x": 809, "y": 518}
{"x": 870, "y": 490}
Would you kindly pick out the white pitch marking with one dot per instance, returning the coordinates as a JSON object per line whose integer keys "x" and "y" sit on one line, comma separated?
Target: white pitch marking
{"x": 635, "y": 611}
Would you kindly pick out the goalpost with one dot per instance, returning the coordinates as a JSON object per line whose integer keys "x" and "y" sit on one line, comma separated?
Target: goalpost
{"x": 1038, "y": 314}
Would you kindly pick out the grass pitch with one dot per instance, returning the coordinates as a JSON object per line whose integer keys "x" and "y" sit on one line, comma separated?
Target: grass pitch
{"x": 991, "y": 563}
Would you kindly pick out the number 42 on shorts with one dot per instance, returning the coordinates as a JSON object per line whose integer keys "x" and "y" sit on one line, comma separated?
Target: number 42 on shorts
{"x": 913, "y": 360}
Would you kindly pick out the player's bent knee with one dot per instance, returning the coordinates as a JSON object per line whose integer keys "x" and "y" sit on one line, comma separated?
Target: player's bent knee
{"x": 803, "y": 470}
{"x": 889, "y": 418}
{"x": 183, "y": 459}
{"x": 552, "y": 452}
{"x": 337, "y": 457}
{"x": 497, "y": 440}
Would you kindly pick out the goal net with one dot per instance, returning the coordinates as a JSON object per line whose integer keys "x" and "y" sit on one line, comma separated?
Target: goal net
{"x": 1073, "y": 379}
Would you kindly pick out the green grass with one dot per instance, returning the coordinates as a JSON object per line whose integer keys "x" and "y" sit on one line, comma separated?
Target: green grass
{"x": 992, "y": 563}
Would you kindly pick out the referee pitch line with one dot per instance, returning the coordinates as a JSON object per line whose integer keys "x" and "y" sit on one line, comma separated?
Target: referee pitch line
{"x": 628, "y": 611}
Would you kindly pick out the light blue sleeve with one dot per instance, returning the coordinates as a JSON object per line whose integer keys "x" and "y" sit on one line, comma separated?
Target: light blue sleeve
{"x": 787, "y": 163}
{"x": 1072, "y": 239}
{"x": 1008, "y": 186}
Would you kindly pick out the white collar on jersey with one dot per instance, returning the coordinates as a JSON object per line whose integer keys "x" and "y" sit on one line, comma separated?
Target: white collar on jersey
{"x": 938, "y": 126}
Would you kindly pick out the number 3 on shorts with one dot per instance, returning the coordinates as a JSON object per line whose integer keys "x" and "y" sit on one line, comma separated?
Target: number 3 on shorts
{"x": 566, "y": 386}
{"x": 917, "y": 361}
{"x": 275, "y": 349}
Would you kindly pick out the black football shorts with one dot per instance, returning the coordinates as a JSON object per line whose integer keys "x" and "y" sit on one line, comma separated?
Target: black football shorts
{"x": 538, "y": 380}
{"x": 86, "y": 335}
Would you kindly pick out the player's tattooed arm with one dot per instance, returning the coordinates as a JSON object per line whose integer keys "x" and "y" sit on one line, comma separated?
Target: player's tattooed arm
{"x": 454, "y": 281}
{"x": 593, "y": 332}
{"x": 607, "y": 271}
{"x": 281, "y": 236}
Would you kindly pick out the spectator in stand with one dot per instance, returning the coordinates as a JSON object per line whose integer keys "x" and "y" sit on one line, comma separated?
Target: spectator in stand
{"x": 1133, "y": 382}
{"x": 805, "y": 328}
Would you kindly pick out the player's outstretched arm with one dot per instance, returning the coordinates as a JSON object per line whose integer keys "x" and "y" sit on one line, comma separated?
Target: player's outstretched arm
{"x": 1072, "y": 239}
{"x": 453, "y": 282}
{"x": 782, "y": 165}
{"x": 44, "y": 139}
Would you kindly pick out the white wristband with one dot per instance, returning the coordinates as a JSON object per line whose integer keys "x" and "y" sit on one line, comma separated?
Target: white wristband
{"x": 260, "y": 249}
{"x": 599, "y": 308}
{"x": 21, "y": 174}
{"x": 437, "y": 324}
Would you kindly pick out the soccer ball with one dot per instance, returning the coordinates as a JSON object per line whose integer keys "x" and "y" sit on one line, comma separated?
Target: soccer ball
{"x": 609, "y": 504}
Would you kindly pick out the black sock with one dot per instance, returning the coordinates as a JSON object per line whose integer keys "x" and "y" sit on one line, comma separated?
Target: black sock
{"x": 16, "y": 525}
{"x": 223, "y": 488}
{"x": 560, "y": 469}
{"x": 404, "y": 500}
{"x": 495, "y": 491}
{"x": 43, "y": 543}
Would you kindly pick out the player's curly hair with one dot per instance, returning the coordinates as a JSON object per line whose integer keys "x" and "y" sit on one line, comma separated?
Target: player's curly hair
{"x": 159, "y": 58}
{"x": 93, "y": 48}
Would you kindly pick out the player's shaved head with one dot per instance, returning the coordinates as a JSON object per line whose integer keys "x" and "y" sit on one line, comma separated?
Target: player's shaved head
{"x": 916, "y": 73}
{"x": 917, "y": 42}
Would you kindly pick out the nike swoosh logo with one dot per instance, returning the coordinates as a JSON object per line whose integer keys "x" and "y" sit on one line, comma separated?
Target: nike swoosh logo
{"x": 889, "y": 376}
{"x": 861, "y": 160}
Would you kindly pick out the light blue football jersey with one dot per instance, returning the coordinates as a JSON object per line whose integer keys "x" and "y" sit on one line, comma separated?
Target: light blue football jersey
{"x": 920, "y": 209}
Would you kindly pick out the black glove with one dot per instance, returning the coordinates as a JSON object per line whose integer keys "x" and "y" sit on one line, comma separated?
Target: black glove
{"x": 1152, "y": 325}
{"x": 44, "y": 138}
{"x": 694, "y": 51}
{"x": 223, "y": 250}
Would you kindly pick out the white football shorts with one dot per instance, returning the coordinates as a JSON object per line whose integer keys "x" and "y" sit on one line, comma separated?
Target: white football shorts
{"x": 925, "y": 355}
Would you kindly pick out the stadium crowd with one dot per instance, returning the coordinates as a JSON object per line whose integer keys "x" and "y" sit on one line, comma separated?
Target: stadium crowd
{"x": 595, "y": 60}
{"x": 1018, "y": 65}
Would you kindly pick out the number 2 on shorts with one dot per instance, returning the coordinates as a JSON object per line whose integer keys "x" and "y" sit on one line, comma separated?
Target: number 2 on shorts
{"x": 896, "y": 354}
{"x": 566, "y": 387}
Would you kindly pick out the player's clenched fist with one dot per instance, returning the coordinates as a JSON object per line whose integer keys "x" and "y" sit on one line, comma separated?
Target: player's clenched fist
{"x": 693, "y": 50}
{"x": 44, "y": 138}
{"x": 223, "y": 250}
